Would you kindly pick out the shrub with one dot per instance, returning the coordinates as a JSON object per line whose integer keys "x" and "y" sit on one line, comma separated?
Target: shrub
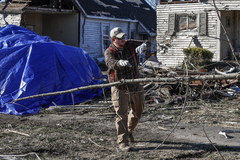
{"x": 198, "y": 57}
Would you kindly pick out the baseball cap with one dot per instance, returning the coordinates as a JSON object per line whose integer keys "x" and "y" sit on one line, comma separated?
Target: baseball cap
{"x": 117, "y": 32}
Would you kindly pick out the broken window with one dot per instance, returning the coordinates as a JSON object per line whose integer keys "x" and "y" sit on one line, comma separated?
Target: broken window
{"x": 187, "y": 23}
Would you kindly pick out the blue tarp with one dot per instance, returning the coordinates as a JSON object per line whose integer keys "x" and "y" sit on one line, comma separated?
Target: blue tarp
{"x": 31, "y": 64}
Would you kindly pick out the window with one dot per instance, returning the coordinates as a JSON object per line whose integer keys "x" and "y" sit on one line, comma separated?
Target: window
{"x": 105, "y": 36}
{"x": 187, "y": 23}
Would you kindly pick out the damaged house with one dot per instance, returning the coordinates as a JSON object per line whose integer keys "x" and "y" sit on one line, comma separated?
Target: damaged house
{"x": 83, "y": 23}
{"x": 45, "y": 17}
{"x": 136, "y": 17}
{"x": 195, "y": 23}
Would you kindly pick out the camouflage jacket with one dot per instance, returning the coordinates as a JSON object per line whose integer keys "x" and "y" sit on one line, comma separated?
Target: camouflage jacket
{"x": 115, "y": 72}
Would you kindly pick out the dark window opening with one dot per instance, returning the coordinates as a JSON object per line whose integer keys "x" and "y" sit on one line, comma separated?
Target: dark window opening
{"x": 187, "y": 22}
{"x": 143, "y": 36}
{"x": 105, "y": 36}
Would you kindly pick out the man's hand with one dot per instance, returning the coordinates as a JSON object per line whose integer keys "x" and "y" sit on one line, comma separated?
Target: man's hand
{"x": 123, "y": 63}
{"x": 142, "y": 48}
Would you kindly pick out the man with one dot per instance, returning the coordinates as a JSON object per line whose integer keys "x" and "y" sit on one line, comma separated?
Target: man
{"x": 121, "y": 61}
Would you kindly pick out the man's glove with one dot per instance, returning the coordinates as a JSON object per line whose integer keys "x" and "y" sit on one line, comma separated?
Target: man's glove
{"x": 142, "y": 48}
{"x": 123, "y": 63}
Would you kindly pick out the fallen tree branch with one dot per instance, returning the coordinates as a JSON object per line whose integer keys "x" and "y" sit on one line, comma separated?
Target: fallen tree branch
{"x": 140, "y": 80}
{"x": 181, "y": 114}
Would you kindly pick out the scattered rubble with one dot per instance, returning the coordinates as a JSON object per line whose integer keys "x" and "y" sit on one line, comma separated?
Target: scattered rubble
{"x": 87, "y": 130}
{"x": 173, "y": 92}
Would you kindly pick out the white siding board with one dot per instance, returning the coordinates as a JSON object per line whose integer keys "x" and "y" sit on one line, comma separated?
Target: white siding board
{"x": 91, "y": 37}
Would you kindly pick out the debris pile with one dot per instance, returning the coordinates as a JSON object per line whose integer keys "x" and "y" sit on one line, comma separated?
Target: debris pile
{"x": 174, "y": 92}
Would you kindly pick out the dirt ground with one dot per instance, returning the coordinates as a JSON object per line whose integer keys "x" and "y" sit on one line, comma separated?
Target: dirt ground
{"x": 87, "y": 131}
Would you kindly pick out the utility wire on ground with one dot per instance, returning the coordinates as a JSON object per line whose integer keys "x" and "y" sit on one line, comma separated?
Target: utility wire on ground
{"x": 212, "y": 143}
{"x": 182, "y": 111}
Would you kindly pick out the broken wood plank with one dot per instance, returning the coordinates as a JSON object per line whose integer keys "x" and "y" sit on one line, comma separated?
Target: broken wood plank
{"x": 162, "y": 128}
{"x": 17, "y": 132}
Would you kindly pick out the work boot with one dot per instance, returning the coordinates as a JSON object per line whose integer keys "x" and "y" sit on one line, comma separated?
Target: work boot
{"x": 131, "y": 138}
{"x": 124, "y": 147}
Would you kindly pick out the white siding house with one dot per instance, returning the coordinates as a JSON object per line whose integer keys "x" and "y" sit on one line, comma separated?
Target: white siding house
{"x": 83, "y": 23}
{"x": 181, "y": 24}
{"x": 136, "y": 17}
{"x": 95, "y": 33}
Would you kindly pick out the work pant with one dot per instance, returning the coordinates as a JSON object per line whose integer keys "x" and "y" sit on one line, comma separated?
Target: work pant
{"x": 122, "y": 101}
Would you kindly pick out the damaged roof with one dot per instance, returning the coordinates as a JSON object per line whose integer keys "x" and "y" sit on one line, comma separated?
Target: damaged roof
{"x": 20, "y": 6}
{"x": 12, "y": 7}
{"x": 138, "y": 10}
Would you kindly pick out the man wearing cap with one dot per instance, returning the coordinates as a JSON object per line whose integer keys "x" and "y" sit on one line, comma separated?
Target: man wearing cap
{"x": 121, "y": 60}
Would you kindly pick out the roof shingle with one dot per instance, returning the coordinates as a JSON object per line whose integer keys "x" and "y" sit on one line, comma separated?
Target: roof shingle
{"x": 123, "y": 9}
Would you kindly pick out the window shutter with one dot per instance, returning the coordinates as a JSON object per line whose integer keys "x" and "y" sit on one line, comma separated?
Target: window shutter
{"x": 171, "y": 24}
{"x": 202, "y": 30}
